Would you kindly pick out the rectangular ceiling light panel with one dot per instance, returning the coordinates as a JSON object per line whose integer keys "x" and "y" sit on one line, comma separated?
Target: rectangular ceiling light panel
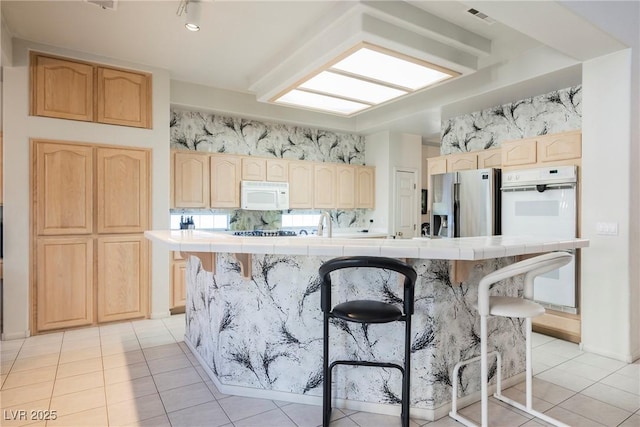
{"x": 367, "y": 77}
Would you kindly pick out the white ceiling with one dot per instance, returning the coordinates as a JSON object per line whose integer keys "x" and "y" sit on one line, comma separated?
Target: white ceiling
{"x": 241, "y": 43}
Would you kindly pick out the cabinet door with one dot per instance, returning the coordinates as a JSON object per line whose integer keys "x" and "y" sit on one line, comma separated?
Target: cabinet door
{"x": 437, "y": 165}
{"x": 124, "y": 98}
{"x": 301, "y": 185}
{"x": 345, "y": 186}
{"x": 225, "y": 181}
{"x": 122, "y": 190}
{"x": 64, "y": 282}
{"x": 277, "y": 170}
{"x": 324, "y": 195}
{"x": 190, "y": 180}
{"x": 462, "y": 162}
{"x": 123, "y": 277}
{"x": 490, "y": 158}
{"x": 254, "y": 169}
{"x": 61, "y": 88}
{"x": 365, "y": 187}
{"x": 178, "y": 284}
{"x": 521, "y": 152}
{"x": 63, "y": 188}
{"x": 564, "y": 146}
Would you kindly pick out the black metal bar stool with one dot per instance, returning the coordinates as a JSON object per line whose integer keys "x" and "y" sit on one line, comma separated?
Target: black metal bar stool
{"x": 367, "y": 311}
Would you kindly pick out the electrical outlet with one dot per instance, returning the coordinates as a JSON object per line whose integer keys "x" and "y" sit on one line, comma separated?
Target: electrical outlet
{"x": 607, "y": 228}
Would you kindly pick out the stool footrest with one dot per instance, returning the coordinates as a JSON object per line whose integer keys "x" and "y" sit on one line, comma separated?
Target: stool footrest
{"x": 531, "y": 411}
{"x": 366, "y": 363}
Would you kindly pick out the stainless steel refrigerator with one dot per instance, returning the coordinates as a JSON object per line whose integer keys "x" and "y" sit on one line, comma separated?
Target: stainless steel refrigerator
{"x": 465, "y": 203}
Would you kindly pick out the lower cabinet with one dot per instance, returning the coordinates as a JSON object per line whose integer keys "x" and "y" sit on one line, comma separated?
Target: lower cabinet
{"x": 64, "y": 282}
{"x": 178, "y": 284}
{"x": 123, "y": 277}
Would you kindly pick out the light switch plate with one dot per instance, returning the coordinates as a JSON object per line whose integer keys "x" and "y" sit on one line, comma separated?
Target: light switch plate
{"x": 607, "y": 228}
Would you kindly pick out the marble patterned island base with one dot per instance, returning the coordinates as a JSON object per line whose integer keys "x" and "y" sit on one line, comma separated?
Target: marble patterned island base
{"x": 261, "y": 336}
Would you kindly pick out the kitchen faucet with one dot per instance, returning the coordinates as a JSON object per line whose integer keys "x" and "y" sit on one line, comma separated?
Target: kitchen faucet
{"x": 324, "y": 215}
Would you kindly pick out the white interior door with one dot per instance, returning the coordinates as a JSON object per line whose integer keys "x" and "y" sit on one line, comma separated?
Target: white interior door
{"x": 406, "y": 209}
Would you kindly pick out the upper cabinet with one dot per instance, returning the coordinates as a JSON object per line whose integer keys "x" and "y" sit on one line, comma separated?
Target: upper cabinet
{"x": 124, "y": 97}
{"x": 300, "y": 185}
{"x": 563, "y": 146}
{"x": 190, "y": 184}
{"x": 490, "y": 158}
{"x": 204, "y": 180}
{"x": 225, "y": 181}
{"x": 277, "y": 170}
{"x": 61, "y": 88}
{"x": 462, "y": 162}
{"x": 365, "y": 187}
{"x": 543, "y": 150}
{"x": 519, "y": 152}
{"x": 324, "y": 178}
{"x": 69, "y": 89}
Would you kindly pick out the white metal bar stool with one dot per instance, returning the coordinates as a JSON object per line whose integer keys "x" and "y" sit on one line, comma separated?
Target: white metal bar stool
{"x": 508, "y": 307}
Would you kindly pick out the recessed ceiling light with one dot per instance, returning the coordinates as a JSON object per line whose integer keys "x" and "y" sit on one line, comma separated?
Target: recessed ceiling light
{"x": 362, "y": 78}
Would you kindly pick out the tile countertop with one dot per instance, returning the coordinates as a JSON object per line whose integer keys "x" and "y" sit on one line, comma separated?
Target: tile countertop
{"x": 463, "y": 248}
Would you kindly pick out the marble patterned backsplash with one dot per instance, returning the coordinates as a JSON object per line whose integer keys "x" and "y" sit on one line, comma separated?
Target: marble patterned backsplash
{"x": 207, "y": 132}
{"x": 554, "y": 112}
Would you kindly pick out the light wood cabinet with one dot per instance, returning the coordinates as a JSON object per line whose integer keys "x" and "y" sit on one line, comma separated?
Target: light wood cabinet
{"x": 124, "y": 97}
{"x": 190, "y": 180}
{"x": 462, "y": 162}
{"x": 254, "y": 169}
{"x": 520, "y": 152}
{"x": 123, "y": 271}
{"x": 85, "y": 274}
{"x": 69, "y": 89}
{"x": 61, "y": 88}
{"x": 64, "y": 188}
{"x": 178, "y": 284}
{"x": 277, "y": 170}
{"x": 365, "y": 187}
{"x": 122, "y": 190}
{"x": 324, "y": 193}
{"x": 345, "y": 187}
{"x": 490, "y": 158}
{"x": 64, "y": 277}
{"x": 564, "y": 146}
{"x": 300, "y": 185}
{"x": 225, "y": 181}
{"x": 437, "y": 165}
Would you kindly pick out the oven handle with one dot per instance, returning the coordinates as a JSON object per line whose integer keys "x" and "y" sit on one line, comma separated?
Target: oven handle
{"x": 539, "y": 187}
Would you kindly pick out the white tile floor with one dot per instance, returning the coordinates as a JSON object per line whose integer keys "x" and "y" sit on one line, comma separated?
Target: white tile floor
{"x": 142, "y": 374}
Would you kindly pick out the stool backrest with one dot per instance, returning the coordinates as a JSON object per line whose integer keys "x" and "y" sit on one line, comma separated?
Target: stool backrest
{"x": 367, "y": 262}
{"x": 531, "y": 268}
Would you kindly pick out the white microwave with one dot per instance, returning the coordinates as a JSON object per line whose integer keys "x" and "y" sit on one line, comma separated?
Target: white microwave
{"x": 264, "y": 195}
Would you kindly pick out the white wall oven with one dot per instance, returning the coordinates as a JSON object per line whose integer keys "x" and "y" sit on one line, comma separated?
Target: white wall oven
{"x": 542, "y": 202}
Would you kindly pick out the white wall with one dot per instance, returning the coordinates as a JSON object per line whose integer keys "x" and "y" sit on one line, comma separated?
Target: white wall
{"x": 606, "y": 286}
{"x": 20, "y": 127}
{"x": 389, "y": 152}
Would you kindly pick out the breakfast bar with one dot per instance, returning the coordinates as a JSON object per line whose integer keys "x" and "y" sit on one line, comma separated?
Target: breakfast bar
{"x": 253, "y": 316}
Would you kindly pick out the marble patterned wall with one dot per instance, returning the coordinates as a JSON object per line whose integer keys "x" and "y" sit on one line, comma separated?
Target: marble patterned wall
{"x": 266, "y": 332}
{"x": 208, "y": 132}
{"x": 554, "y": 112}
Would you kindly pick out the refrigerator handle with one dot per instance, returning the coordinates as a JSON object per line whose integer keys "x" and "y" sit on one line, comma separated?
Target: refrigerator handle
{"x": 456, "y": 208}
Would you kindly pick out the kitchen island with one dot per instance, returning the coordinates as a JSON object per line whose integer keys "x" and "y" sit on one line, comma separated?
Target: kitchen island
{"x": 254, "y": 322}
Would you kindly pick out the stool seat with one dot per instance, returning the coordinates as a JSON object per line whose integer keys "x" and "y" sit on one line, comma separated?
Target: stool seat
{"x": 514, "y": 307}
{"x": 367, "y": 311}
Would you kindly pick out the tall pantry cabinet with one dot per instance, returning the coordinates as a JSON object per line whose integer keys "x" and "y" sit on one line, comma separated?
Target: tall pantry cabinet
{"x": 90, "y": 208}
